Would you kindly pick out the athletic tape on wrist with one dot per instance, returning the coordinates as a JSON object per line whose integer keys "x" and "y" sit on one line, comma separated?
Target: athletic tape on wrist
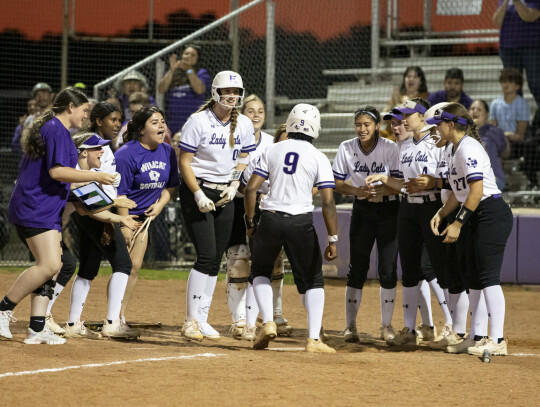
{"x": 464, "y": 215}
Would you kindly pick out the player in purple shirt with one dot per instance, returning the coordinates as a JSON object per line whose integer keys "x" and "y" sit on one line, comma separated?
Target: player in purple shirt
{"x": 37, "y": 203}
{"x": 149, "y": 173}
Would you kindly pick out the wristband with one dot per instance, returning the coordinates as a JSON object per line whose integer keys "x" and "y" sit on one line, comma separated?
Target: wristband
{"x": 446, "y": 184}
{"x": 243, "y": 160}
{"x": 250, "y": 224}
{"x": 235, "y": 176}
{"x": 332, "y": 239}
{"x": 464, "y": 215}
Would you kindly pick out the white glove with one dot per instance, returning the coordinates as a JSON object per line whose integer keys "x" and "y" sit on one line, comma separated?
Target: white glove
{"x": 228, "y": 193}
{"x": 117, "y": 178}
{"x": 204, "y": 203}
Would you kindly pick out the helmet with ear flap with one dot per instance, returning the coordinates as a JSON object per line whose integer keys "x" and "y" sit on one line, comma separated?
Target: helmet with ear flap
{"x": 304, "y": 119}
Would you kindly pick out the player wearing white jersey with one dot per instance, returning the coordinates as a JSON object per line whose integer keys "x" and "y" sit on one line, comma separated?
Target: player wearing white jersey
{"x": 417, "y": 157}
{"x": 374, "y": 218}
{"x": 214, "y": 150}
{"x": 292, "y": 167}
{"x": 237, "y": 249}
{"x": 482, "y": 224}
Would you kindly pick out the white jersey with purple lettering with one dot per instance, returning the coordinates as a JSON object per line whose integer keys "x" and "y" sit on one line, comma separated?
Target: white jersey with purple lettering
{"x": 419, "y": 157}
{"x": 469, "y": 162}
{"x": 108, "y": 165}
{"x": 264, "y": 141}
{"x": 293, "y": 168}
{"x": 351, "y": 159}
{"x": 207, "y": 138}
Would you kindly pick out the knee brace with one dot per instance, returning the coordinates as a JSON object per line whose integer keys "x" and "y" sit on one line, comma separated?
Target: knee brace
{"x": 46, "y": 290}
{"x": 238, "y": 264}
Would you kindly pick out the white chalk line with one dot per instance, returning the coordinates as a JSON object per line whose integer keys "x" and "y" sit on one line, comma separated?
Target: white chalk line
{"x": 523, "y": 354}
{"x": 119, "y": 362}
{"x": 286, "y": 349}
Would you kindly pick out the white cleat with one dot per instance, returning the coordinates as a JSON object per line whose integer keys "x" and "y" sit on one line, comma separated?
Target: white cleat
{"x": 53, "y": 326}
{"x": 5, "y": 318}
{"x": 283, "y": 328}
{"x": 119, "y": 330}
{"x": 249, "y": 333}
{"x": 494, "y": 348}
{"x": 79, "y": 330}
{"x": 350, "y": 334}
{"x": 46, "y": 336}
{"x": 208, "y": 332}
{"x": 387, "y": 333}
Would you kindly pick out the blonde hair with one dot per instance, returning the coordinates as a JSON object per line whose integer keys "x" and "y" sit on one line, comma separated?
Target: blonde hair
{"x": 252, "y": 98}
{"x": 471, "y": 129}
{"x": 234, "y": 118}
{"x": 80, "y": 137}
{"x": 282, "y": 128}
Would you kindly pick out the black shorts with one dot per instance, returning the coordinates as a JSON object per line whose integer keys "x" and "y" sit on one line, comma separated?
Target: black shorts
{"x": 27, "y": 232}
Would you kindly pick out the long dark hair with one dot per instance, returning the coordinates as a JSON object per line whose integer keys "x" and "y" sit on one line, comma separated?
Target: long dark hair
{"x": 138, "y": 122}
{"x": 32, "y": 142}
{"x": 423, "y": 84}
{"x": 100, "y": 111}
{"x": 371, "y": 112}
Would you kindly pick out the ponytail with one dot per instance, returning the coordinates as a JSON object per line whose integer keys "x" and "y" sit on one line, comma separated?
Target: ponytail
{"x": 471, "y": 129}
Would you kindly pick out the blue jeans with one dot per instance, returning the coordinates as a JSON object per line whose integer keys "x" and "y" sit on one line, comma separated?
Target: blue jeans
{"x": 527, "y": 58}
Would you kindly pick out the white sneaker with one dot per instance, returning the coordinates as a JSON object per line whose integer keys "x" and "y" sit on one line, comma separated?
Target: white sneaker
{"x": 237, "y": 329}
{"x": 494, "y": 348}
{"x": 424, "y": 333}
{"x": 192, "y": 330}
{"x": 5, "y": 318}
{"x": 450, "y": 339}
{"x": 387, "y": 333}
{"x": 350, "y": 334}
{"x": 249, "y": 333}
{"x": 461, "y": 347}
{"x": 119, "y": 329}
{"x": 318, "y": 346}
{"x": 404, "y": 336}
{"x": 79, "y": 330}
{"x": 447, "y": 330}
{"x": 208, "y": 332}
{"x": 282, "y": 324}
{"x": 46, "y": 336}
{"x": 53, "y": 326}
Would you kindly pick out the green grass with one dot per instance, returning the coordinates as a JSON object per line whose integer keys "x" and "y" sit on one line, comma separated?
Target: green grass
{"x": 151, "y": 274}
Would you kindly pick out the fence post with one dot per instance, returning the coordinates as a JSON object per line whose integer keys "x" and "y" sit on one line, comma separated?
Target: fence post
{"x": 270, "y": 63}
{"x": 374, "y": 37}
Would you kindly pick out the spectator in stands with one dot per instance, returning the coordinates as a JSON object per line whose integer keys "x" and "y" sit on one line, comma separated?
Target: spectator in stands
{"x": 493, "y": 138}
{"x": 519, "y": 45}
{"x": 511, "y": 113}
{"x": 184, "y": 85}
{"x": 115, "y": 101}
{"x": 43, "y": 95}
{"x": 16, "y": 141}
{"x": 132, "y": 82}
{"x": 413, "y": 85}
{"x": 453, "y": 90}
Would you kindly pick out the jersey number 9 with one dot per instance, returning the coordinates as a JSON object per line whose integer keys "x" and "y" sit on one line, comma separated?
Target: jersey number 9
{"x": 291, "y": 161}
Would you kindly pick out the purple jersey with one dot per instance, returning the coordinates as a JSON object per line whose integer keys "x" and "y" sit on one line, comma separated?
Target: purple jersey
{"x": 516, "y": 33}
{"x": 182, "y": 101}
{"x": 145, "y": 173}
{"x": 38, "y": 201}
{"x": 440, "y": 97}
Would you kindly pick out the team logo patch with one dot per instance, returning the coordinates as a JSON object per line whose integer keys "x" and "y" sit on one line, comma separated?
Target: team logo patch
{"x": 471, "y": 162}
{"x": 154, "y": 175}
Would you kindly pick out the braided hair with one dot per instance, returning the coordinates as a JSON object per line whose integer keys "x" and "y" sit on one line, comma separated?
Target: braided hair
{"x": 234, "y": 118}
{"x": 32, "y": 142}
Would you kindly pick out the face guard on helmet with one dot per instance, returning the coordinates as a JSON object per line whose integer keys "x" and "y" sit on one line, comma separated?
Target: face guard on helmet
{"x": 434, "y": 137}
{"x": 227, "y": 79}
{"x": 304, "y": 119}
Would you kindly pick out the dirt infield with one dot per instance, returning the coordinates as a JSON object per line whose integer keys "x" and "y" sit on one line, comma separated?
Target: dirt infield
{"x": 163, "y": 369}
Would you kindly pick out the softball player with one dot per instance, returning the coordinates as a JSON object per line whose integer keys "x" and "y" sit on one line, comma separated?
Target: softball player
{"x": 214, "y": 150}
{"x": 415, "y": 211}
{"x": 374, "y": 217}
{"x": 36, "y": 205}
{"x": 149, "y": 173}
{"x": 292, "y": 167}
{"x": 484, "y": 220}
{"x": 238, "y": 251}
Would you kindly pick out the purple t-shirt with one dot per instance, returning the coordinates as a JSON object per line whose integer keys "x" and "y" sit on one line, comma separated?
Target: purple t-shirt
{"x": 145, "y": 173}
{"x": 516, "y": 33}
{"x": 440, "y": 97}
{"x": 37, "y": 200}
{"x": 182, "y": 101}
{"x": 493, "y": 139}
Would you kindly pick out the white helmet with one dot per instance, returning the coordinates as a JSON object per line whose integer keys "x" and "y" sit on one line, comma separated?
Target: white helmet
{"x": 304, "y": 119}
{"x": 434, "y": 137}
{"x": 227, "y": 79}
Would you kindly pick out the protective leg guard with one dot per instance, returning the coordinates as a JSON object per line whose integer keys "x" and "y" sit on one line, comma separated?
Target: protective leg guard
{"x": 46, "y": 290}
{"x": 283, "y": 327}
{"x": 237, "y": 280}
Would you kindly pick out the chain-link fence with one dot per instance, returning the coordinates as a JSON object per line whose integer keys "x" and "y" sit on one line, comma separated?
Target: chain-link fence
{"x": 337, "y": 55}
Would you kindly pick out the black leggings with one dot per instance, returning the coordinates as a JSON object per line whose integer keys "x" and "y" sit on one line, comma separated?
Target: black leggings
{"x": 91, "y": 249}
{"x": 210, "y": 232}
{"x": 69, "y": 265}
{"x": 369, "y": 222}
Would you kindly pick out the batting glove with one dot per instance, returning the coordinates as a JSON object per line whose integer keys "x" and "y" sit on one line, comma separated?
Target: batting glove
{"x": 228, "y": 193}
{"x": 117, "y": 178}
{"x": 204, "y": 203}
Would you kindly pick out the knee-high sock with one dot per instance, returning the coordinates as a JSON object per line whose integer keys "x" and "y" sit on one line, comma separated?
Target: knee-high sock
{"x": 263, "y": 294}
{"x": 479, "y": 317}
{"x": 57, "y": 290}
{"x": 117, "y": 288}
{"x": 388, "y": 300}
{"x": 424, "y": 303}
{"x": 441, "y": 299}
{"x": 459, "y": 307}
{"x": 196, "y": 286}
{"x": 410, "y": 304}
{"x": 252, "y": 309}
{"x": 79, "y": 292}
{"x": 277, "y": 290}
{"x": 315, "y": 309}
{"x": 496, "y": 307}
{"x": 353, "y": 298}
{"x": 447, "y": 298}
{"x": 209, "y": 292}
